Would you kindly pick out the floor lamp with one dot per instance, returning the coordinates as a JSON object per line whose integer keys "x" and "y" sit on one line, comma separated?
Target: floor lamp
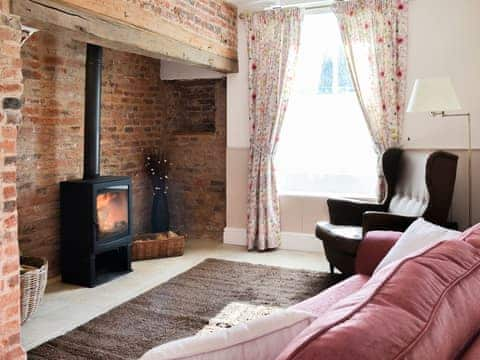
{"x": 437, "y": 96}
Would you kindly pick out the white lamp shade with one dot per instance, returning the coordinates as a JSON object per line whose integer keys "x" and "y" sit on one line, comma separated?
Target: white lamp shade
{"x": 433, "y": 95}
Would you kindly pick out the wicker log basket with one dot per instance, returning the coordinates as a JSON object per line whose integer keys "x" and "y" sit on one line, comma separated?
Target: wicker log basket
{"x": 157, "y": 245}
{"x": 33, "y": 280}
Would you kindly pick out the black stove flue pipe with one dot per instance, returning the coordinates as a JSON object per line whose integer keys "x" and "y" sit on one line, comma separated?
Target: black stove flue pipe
{"x": 93, "y": 103}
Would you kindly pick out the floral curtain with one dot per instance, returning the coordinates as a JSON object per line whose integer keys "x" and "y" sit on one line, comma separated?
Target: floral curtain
{"x": 375, "y": 34}
{"x": 273, "y": 41}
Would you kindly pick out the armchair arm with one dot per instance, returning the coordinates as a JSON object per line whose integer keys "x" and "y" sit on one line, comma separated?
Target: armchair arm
{"x": 350, "y": 212}
{"x": 386, "y": 221}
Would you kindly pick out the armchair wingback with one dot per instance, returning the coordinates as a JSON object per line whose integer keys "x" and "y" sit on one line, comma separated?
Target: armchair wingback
{"x": 424, "y": 185}
{"x": 418, "y": 184}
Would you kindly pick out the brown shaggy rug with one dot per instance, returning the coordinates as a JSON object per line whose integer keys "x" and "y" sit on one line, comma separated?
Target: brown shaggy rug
{"x": 211, "y": 295}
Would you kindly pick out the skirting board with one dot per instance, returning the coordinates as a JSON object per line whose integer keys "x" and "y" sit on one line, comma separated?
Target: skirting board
{"x": 290, "y": 240}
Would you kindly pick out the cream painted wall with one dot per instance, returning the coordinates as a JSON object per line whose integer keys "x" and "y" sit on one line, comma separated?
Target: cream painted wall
{"x": 237, "y": 96}
{"x": 237, "y": 164}
{"x": 238, "y": 131}
{"x": 444, "y": 40}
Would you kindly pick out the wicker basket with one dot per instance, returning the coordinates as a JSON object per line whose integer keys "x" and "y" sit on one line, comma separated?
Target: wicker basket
{"x": 157, "y": 245}
{"x": 33, "y": 280}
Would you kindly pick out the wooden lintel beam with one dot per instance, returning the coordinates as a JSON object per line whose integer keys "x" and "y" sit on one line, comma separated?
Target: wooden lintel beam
{"x": 132, "y": 13}
{"x": 96, "y": 29}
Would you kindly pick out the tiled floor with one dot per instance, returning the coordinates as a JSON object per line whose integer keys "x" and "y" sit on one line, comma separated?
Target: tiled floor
{"x": 66, "y": 306}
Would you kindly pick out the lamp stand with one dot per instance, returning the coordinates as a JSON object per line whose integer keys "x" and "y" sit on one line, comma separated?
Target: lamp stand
{"x": 469, "y": 156}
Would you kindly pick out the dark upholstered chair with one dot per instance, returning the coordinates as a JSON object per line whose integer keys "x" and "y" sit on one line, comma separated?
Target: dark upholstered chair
{"x": 418, "y": 184}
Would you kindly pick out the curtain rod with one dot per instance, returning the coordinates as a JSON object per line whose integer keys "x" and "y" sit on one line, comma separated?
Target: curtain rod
{"x": 312, "y": 7}
{"x": 315, "y": 7}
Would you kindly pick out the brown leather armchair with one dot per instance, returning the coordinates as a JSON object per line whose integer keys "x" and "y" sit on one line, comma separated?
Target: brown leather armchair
{"x": 418, "y": 184}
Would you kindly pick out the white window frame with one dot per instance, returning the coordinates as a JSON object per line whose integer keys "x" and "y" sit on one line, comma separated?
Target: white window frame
{"x": 326, "y": 194}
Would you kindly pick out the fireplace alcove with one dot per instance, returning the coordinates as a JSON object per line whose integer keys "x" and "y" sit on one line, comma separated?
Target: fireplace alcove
{"x": 140, "y": 110}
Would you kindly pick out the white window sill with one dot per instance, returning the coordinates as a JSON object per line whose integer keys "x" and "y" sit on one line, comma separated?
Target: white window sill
{"x": 328, "y": 196}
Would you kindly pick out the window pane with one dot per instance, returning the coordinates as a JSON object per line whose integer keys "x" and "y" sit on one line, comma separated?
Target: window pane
{"x": 325, "y": 146}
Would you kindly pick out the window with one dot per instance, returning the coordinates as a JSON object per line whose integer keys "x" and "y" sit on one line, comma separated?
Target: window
{"x": 325, "y": 146}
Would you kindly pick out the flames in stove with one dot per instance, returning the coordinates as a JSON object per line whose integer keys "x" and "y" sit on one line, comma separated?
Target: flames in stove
{"x": 112, "y": 213}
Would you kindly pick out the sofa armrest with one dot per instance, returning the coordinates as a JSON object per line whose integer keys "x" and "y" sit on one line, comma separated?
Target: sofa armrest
{"x": 373, "y": 248}
{"x": 350, "y": 212}
{"x": 374, "y": 220}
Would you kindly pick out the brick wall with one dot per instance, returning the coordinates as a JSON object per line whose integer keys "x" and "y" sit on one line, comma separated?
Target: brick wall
{"x": 50, "y": 137}
{"x": 194, "y": 107}
{"x": 132, "y": 122}
{"x": 197, "y": 191}
{"x": 214, "y": 19}
{"x": 10, "y": 93}
{"x": 139, "y": 111}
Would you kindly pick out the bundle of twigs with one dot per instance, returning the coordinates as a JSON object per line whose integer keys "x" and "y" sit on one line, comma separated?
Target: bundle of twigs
{"x": 157, "y": 166}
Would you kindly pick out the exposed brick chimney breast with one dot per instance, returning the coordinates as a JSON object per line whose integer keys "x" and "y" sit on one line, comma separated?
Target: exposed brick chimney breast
{"x": 10, "y": 92}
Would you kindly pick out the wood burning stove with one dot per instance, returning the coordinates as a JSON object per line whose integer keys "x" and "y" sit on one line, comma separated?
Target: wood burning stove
{"x": 96, "y": 229}
{"x": 96, "y": 211}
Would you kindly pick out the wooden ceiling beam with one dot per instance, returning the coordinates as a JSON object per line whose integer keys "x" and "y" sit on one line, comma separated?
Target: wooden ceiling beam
{"x": 112, "y": 33}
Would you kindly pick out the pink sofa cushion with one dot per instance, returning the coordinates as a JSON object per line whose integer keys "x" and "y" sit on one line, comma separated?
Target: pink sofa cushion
{"x": 472, "y": 236}
{"x": 373, "y": 248}
{"x": 423, "y": 307}
{"x": 262, "y": 338}
{"x": 320, "y": 303}
{"x": 472, "y": 352}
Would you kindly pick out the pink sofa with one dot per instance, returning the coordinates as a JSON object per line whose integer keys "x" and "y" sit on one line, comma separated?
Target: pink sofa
{"x": 441, "y": 322}
{"x": 423, "y": 306}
